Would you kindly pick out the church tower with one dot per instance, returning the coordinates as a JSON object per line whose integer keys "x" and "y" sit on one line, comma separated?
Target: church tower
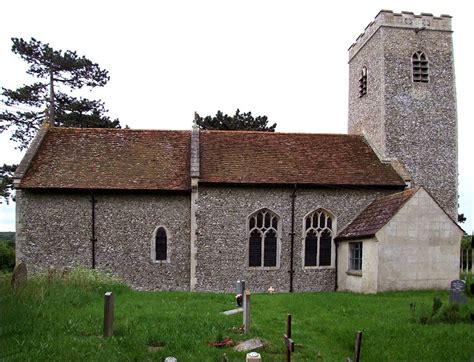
{"x": 402, "y": 98}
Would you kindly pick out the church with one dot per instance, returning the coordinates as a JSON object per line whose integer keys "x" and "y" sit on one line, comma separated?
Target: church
{"x": 368, "y": 211}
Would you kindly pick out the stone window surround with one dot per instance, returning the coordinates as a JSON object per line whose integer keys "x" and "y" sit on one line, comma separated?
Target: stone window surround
{"x": 278, "y": 254}
{"x": 417, "y": 56}
{"x": 333, "y": 244}
{"x": 153, "y": 247}
{"x": 363, "y": 82}
{"x": 350, "y": 270}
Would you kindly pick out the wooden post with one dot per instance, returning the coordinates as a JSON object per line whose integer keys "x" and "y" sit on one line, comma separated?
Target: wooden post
{"x": 108, "y": 314}
{"x": 358, "y": 342}
{"x": 246, "y": 314}
{"x": 289, "y": 343}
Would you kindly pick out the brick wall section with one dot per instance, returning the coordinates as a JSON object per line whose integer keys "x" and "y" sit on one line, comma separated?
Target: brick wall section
{"x": 55, "y": 229}
{"x": 222, "y": 242}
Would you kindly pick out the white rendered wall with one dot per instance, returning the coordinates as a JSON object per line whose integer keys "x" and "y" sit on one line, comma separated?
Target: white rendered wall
{"x": 366, "y": 282}
{"x": 419, "y": 248}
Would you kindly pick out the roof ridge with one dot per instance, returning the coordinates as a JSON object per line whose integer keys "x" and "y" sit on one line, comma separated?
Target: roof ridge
{"x": 61, "y": 129}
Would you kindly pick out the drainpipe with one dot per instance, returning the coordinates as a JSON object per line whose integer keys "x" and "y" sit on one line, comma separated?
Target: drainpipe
{"x": 93, "y": 239}
{"x": 335, "y": 283}
{"x": 292, "y": 237}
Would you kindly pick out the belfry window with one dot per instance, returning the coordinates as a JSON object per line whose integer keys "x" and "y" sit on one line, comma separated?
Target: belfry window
{"x": 263, "y": 239}
{"x": 363, "y": 82}
{"x": 318, "y": 235}
{"x": 420, "y": 67}
{"x": 161, "y": 244}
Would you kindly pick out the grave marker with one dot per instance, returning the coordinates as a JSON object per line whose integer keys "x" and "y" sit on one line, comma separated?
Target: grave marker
{"x": 19, "y": 275}
{"x": 108, "y": 314}
{"x": 357, "y": 345}
{"x": 246, "y": 313}
{"x": 456, "y": 293}
{"x": 289, "y": 343}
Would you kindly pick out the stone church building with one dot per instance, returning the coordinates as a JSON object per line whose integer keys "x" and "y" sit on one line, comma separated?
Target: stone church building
{"x": 367, "y": 211}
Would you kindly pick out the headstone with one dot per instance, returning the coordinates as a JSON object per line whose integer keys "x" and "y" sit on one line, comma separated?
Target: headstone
{"x": 19, "y": 276}
{"x": 249, "y": 345}
{"x": 246, "y": 313}
{"x": 456, "y": 294}
{"x": 108, "y": 314}
{"x": 233, "y": 311}
{"x": 289, "y": 343}
{"x": 253, "y": 357}
{"x": 357, "y": 345}
{"x": 171, "y": 359}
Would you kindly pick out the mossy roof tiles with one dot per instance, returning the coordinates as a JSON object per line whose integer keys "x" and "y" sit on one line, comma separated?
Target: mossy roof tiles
{"x": 125, "y": 159}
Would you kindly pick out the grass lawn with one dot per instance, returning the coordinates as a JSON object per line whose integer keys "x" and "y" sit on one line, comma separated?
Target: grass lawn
{"x": 61, "y": 319}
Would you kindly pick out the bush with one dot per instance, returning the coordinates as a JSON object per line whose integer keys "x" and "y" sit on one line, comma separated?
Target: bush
{"x": 469, "y": 279}
{"x": 439, "y": 313}
{"x": 7, "y": 257}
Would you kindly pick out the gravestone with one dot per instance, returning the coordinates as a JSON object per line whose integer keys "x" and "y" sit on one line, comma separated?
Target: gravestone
{"x": 249, "y": 345}
{"x": 289, "y": 343}
{"x": 240, "y": 291}
{"x": 456, "y": 293}
{"x": 253, "y": 357}
{"x": 246, "y": 311}
{"x": 108, "y": 314}
{"x": 19, "y": 276}
{"x": 240, "y": 287}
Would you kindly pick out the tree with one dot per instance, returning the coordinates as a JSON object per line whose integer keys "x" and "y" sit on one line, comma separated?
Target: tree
{"x": 27, "y": 107}
{"x": 240, "y": 121}
{"x": 6, "y": 181}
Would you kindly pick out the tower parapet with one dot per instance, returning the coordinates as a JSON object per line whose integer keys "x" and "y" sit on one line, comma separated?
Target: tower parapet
{"x": 405, "y": 19}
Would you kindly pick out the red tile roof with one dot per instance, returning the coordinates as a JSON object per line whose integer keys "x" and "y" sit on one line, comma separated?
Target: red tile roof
{"x": 242, "y": 157}
{"x": 160, "y": 160}
{"x": 111, "y": 159}
{"x": 375, "y": 216}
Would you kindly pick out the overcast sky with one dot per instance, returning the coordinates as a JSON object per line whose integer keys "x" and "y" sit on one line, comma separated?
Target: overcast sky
{"x": 167, "y": 59}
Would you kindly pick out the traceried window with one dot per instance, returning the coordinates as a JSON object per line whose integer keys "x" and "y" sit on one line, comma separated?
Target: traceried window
{"x": 263, "y": 239}
{"x": 318, "y": 239}
{"x": 355, "y": 256}
{"x": 363, "y": 82}
{"x": 161, "y": 244}
{"x": 420, "y": 67}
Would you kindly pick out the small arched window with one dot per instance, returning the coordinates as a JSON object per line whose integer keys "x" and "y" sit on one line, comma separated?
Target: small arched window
{"x": 161, "y": 244}
{"x": 420, "y": 65}
{"x": 318, "y": 239}
{"x": 363, "y": 82}
{"x": 263, "y": 239}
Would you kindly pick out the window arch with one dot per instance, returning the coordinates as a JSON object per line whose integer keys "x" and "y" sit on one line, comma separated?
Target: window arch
{"x": 263, "y": 239}
{"x": 159, "y": 248}
{"x": 319, "y": 227}
{"x": 363, "y": 82}
{"x": 420, "y": 65}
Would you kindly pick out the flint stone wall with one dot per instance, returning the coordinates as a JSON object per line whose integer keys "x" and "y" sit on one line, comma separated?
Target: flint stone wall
{"x": 222, "y": 251}
{"x": 54, "y": 229}
{"x": 415, "y": 123}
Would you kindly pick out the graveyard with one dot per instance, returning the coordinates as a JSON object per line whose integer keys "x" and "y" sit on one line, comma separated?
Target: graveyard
{"x": 60, "y": 316}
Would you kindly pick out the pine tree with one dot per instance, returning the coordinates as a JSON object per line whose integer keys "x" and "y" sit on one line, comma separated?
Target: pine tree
{"x": 28, "y": 106}
{"x": 240, "y": 121}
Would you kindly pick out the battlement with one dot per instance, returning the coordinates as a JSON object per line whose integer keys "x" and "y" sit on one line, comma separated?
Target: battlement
{"x": 405, "y": 19}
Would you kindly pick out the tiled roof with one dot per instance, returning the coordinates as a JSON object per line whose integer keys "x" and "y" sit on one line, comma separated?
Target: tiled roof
{"x": 111, "y": 159}
{"x": 375, "y": 216}
{"x": 239, "y": 157}
{"x": 160, "y": 160}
